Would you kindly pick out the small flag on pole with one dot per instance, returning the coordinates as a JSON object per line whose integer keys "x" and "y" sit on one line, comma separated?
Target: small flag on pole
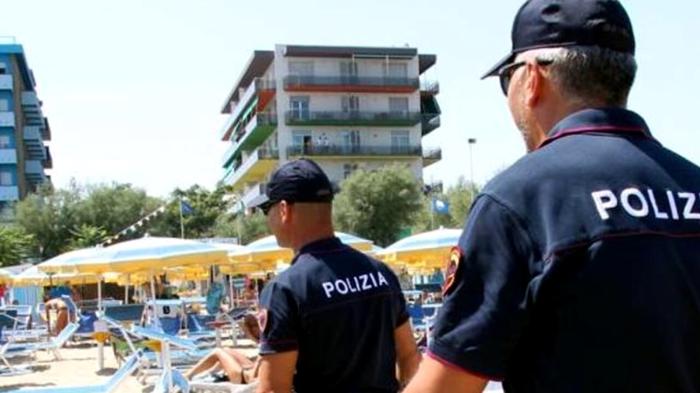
{"x": 440, "y": 206}
{"x": 185, "y": 208}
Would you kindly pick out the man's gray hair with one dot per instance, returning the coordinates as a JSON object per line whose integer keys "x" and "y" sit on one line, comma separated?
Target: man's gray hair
{"x": 590, "y": 74}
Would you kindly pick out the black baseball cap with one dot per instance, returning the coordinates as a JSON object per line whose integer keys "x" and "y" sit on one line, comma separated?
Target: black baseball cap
{"x": 561, "y": 23}
{"x": 300, "y": 180}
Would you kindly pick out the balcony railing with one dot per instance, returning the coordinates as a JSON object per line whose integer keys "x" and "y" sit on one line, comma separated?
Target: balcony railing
{"x": 253, "y": 90}
{"x": 241, "y": 167}
{"x": 9, "y": 193}
{"x": 353, "y": 118}
{"x": 429, "y": 123}
{"x": 251, "y": 134}
{"x": 355, "y": 150}
{"x": 7, "y": 119}
{"x": 434, "y": 154}
{"x": 295, "y": 82}
{"x": 430, "y": 87}
{"x": 6, "y": 82}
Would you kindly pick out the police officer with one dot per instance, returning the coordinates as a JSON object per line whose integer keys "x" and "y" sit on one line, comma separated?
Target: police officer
{"x": 337, "y": 317}
{"x": 579, "y": 267}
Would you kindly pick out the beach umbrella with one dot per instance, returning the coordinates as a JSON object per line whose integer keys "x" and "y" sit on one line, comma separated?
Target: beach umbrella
{"x": 35, "y": 277}
{"x": 6, "y": 277}
{"x": 422, "y": 251}
{"x": 268, "y": 253}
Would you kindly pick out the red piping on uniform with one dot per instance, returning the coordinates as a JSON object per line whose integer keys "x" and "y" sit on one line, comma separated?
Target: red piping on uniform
{"x": 459, "y": 368}
{"x": 583, "y": 130}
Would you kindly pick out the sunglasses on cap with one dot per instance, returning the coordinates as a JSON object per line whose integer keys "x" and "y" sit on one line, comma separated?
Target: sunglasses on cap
{"x": 505, "y": 74}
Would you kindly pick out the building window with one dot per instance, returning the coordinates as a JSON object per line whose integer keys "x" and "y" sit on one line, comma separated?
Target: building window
{"x": 350, "y": 104}
{"x": 4, "y": 105}
{"x": 400, "y": 141}
{"x": 348, "y": 169}
{"x": 5, "y": 142}
{"x": 396, "y": 70}
{"x": 398, "y": 105}
{"x": 3, "y": 68}
{"x": 299, "y": 107}
{"x": 351, "y": 141}
{"x": 348, "y": 70}
{"x": 301, "y": 68}
{"x": 302, "y": 142}
{"x": 6, "y": 178}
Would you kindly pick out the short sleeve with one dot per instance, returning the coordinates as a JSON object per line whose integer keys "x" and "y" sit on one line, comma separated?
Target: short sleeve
{"x": 483, "y": 313}
{"x": 279, "y": 319}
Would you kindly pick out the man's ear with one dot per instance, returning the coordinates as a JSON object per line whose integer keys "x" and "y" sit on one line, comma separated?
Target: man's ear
{"x": 534, "y": 84}
{"x": 285, "y": 211}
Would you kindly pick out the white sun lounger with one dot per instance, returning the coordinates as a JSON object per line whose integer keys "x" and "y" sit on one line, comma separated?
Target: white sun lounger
{"x": 108, "y": 387}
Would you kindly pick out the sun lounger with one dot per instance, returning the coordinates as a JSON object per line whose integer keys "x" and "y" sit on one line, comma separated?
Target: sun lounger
{"x": 53, "y": 345}
{"x": 110, "y": 386}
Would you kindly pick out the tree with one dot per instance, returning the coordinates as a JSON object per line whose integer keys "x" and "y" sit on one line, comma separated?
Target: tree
{"x": 86, "y": 236}
{"x": 15, "y": 245}
{"x": 378, "y": 204}
{"x": 460, "y": 197}
{"x": 244, "y": 227}
{"x": 54, "y": 217}
{"x": 49, "y": 216}
{"x": 206, "y": 206}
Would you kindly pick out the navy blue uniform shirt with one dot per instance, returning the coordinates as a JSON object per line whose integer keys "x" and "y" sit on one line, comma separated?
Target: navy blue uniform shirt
{"x": 580, "y": 266}
{"x": 339, "y": 308}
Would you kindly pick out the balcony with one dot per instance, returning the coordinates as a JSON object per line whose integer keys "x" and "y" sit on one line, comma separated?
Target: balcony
{"x": 364, "y": 151}
{"x": 8, "y": 156}
{"x": 251, "y": 135}
{"x": 254, "y": 168}
{"x": 431, "y": 156}
{"x": 32, "y": 108}
{"x": 429, "y": 123}
{"x": 429, "y": 88}
{"x": 355, "y": 118}
{"x": 9, "y": 193}
{"x": 7, "y": 119}
{"x": 34, "y": 167}
{"x": 48, "y": 162}
{"x": 262, "y": 91}
{"x": 6, "y": 82}
{"x": 253, "y": 194}
{"x": 33, "y": 143}
{"x": 350, "y": 84}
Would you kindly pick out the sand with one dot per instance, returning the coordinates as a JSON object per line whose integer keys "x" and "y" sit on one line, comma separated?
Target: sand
{"x": 79, "y": 367}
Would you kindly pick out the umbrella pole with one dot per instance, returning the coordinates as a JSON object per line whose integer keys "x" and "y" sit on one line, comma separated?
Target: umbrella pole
{"x": 153, "y": 302}
{"x": 99, "y": 293}
{"x": 230, "y": 291}
{"x": 126, "y": 289}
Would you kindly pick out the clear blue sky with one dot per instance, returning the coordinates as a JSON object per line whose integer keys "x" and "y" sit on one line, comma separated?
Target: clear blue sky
{"x": 133, "y": 88}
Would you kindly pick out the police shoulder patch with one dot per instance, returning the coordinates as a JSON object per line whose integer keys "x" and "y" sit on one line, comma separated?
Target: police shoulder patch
{"x": 451, "y": 268}
{"x": 262, "y": 319}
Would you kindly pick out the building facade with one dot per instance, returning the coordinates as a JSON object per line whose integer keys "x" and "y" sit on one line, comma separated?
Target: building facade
{"x": 24, "y": 156}
{"x": 346, "y": 108}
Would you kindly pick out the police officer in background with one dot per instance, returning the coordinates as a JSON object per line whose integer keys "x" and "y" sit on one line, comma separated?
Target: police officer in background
{"x": 579, "y": 266}
{"x": 336, "y": 319}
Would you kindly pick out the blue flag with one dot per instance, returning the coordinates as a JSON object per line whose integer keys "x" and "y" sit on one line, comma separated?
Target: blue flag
{"x": 185, "y": 208}
{"x": 440, "y": 206}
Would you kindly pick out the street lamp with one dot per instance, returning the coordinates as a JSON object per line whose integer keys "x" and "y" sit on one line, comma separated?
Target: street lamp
{"x": 471, "y": 141}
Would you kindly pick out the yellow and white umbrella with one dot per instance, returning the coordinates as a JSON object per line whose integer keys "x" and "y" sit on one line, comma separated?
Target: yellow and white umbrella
{"x": 33, "y": 276}
{"x": 266, "y": 254}
{"x": 423, "y": 251}
{"x": 6, "y": 277}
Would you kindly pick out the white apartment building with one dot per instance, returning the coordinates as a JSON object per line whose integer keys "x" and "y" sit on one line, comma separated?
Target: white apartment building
{"x": 344, "y": 107}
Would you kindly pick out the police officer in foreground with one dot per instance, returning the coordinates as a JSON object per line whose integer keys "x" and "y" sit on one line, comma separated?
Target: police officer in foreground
{"x": 579, "y": 266}
{"x": 336, "y": 319}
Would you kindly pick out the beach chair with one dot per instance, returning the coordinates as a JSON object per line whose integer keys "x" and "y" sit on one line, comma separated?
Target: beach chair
{"x": 7, "y": 369}
{"x": 108, "y": 387}
{"x": 53, "y": 345}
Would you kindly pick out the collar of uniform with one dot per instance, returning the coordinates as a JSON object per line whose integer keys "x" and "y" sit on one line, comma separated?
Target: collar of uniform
{"x": 600, "y": 120}
{"x": 326, "y": 244}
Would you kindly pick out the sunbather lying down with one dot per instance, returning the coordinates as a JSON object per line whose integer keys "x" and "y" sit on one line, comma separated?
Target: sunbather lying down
{"x": 236, "y": 366}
